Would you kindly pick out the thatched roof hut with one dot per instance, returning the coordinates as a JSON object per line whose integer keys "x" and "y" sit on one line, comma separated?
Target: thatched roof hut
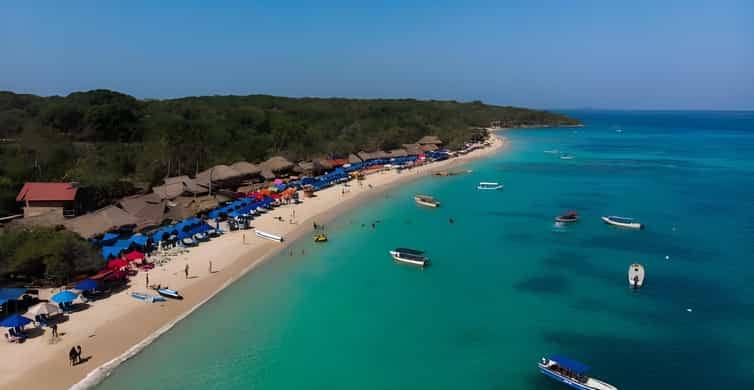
{"x": 148, "y": 209}
{"x": 276, "y": 164}
{"x": 246, "y": 169}
{"x": 398, "y": 153}
{"x": 366, "y": 156}
{"x": 267, "y": 174}
{"x": 413, "y": 149}
{"x": 100, "y": 221}
{"x": 353, "y": 159}
{"x": 218, "y": 173}
{"x": 429, "y": 140}
{"x": 429, "y": 147}
{"x": 169, "y": 191}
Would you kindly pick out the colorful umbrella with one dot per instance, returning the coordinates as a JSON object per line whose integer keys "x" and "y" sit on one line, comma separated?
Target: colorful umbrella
{"x": 135, "y": 255}
{"x": 15, "y": 320}
{"x": 43, "y": 308}
{"x": 64, "y": 296}
{"x": 86, "y": 285}
{"x": 117, "y": 263}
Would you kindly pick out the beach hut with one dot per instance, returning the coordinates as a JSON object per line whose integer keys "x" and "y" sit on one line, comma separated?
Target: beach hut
{"x": 99, "y": 222}
{"x": 277, "y": 164}
{"x": 247, "y": 170}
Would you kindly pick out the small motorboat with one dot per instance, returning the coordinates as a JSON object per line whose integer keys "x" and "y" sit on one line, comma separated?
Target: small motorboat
{"x": 166, "y": 292}
{"x": 636, "y": 275}
{"x": 622, "y": 222}
{"x": 566, "y": 156}
{"x": 147, "y": 297}
{"x": 201, "y": 237}
{"x": 321, "y": 237}
{"x": 570, "y": 216}
{"x": 409, "y": 256}
{"x": 213, "y": 233}
{"x": 425, "y": 200}
{"x": 489, "y": 185}
{"x": 552, "y": 151}
{"x": 268, "y": 236}
{"x": 571, "y": 373}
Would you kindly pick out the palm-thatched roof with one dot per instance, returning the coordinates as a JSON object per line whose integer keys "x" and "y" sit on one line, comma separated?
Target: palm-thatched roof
{"x": 413, "y": 149}
{"x": 267, "y": 174}
{"x": 217, "y": 173}
{"x": 148, "y": 209}
{"x": 169, "y": 191}
{"x": 353, "y": 159}
{"x": 189, "y": 185}
{"x": 246, "y": 168}
{"x": 429, "y": 147}
{"x": 398, "y": 153}
{"x": 100, "y": 221}
{"x": 366, "y": 156}
{"x": 276, "y": 164}
{"x": 429, "y": 139}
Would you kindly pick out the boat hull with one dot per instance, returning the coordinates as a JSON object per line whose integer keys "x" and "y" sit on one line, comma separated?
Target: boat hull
{"x": 397, "y": 258}
{"x": 634, "y": 225}
{"x": 485, "y": 188}
{"x": 566, "y": 220}
{"x": 426, "y": 201}
{"x": 596, "y": 384}
{"x": 170, "y": 294}
{"x": 636, "y": 275}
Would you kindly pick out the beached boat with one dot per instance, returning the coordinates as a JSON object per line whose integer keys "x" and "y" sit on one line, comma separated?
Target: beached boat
{"x": 636, "y": 275}
{"x": 147, "y": 297}
{"x": 570, "y": 216}
{"x": 409, "y": 256}
{"x": 489, "y": 185}
{"x": 188, "y": 242}
{"x": 201, "y": 237}
{"x": 622, "y": 222}
{"x": 213, "y": 233}
{"x": 166, "y": 292}
{"x": 425, "y": 200}
{"x": 322, "y": 237}
{"x": 571, "y": 373}
{"x": 268, "y": 236}
{"x": 566, "y": 156}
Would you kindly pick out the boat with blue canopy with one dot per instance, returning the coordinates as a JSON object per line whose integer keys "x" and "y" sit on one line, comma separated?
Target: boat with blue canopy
{"x": 571, "y": 372}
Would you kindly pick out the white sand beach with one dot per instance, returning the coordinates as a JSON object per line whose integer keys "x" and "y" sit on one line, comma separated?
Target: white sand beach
{"x": 108, "y": 328}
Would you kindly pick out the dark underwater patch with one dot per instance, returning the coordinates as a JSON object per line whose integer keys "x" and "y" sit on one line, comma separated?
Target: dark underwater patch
{"x": 547, "y": 284}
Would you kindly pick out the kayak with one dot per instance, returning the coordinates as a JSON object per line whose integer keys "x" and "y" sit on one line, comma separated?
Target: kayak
{"x": 147, "y": 297}
{"x": 166, "y": 292}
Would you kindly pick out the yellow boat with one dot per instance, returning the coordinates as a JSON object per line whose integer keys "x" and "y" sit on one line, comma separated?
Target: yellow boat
{"x": 322, "y": 237}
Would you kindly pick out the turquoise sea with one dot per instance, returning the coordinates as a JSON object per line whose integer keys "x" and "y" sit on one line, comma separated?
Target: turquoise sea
{"x": 507, "y": 287}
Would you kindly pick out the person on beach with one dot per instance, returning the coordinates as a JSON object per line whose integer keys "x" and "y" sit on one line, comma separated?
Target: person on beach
{"x": 72, "y": 356}
{"x": 244, "y": 239}
{"x": 54, "y": 328}
{"x": 186, "y": 270}
{"x": 147, "y": 279}
{"x": 210, "y": 266}
{"x": 314, "y": 225}
{"x": 78, "y": 353}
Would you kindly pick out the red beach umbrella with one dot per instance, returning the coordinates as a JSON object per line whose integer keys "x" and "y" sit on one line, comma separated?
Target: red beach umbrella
{"x": 134, "y": 255}
{"x": 117, "y": 263}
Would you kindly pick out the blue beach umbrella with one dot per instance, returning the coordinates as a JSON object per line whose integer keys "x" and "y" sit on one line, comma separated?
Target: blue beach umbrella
{"x": 85, "y": 285}
{"x": 64, "y": 296}
{"x": 14, "y": 321}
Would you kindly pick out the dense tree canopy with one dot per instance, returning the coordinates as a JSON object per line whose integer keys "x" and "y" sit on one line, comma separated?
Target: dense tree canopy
{"x": 102, "y": 138}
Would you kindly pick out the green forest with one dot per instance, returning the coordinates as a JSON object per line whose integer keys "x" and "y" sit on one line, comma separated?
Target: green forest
{"x": 114, "y": 144}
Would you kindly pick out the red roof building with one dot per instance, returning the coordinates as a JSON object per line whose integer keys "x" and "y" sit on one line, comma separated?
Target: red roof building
{"x": 43, "y": 198}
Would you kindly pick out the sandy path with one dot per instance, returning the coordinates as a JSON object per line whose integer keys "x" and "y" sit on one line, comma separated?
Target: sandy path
{"x": 110, "y": 327}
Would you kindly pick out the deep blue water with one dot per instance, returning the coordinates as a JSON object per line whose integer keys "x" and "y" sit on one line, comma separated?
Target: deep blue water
{"x": 506, "y": 286}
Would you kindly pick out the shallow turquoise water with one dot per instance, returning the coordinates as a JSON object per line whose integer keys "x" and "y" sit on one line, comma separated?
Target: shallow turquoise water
{"x": 506, "y": 286}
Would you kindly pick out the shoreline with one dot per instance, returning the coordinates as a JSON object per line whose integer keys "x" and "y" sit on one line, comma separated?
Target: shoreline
{"x": 120, "y": 327}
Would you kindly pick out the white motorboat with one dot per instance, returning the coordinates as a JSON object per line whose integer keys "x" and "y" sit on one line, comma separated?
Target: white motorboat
{"x": 425, "y": 200}
{"x": 552, "y": 151}
{"x": 268, "y": 236}
{"x": 571, "y": 373}
{"x": 566, "y": 156}
{"x": 636, "y": 275}
{"x": 409, "y": 256}
{"x": 489, "y": 185}
{"x": 622, "y": 222}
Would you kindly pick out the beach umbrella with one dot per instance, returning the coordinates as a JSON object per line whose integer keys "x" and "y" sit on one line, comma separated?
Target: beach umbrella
{"x": 117, "y": 263}
{"x": 278, "y": 181}
{"x": 64, "y": 296}
{"x": 14, "y": 321}
{"x": 134, "y": 255}
{"x": 86, "y": 285}
{"x": 43, "y": 308}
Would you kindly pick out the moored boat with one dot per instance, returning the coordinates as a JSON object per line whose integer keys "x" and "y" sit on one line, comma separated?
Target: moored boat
{"x": 571, "y": 373}
{"x": 570, "y": 216}
{"x": 629, "y": 223}
{"x": 409, "y": 256}
{"x": 552, "y": 151}
{"x": 147, "y": 297}
{"x": 321, "y": 237}
{"x": 489, "y": 185}
{"x": 566, "y": 156}
{"x": 425, "y": 200}
{"x": 166, "y": 292}
{"x": 636, "y": 275}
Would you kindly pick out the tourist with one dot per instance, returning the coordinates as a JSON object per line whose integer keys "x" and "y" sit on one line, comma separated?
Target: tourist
{"x": 72, "y": 356}
{"x": 54, "y": 328}
{"x": 210, "y": 266}
{"x": 186, "y": 270}
{"x": 78, "y": 353}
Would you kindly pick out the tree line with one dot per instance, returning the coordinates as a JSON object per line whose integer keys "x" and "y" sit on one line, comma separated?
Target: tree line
{"x": 114, "y": 144}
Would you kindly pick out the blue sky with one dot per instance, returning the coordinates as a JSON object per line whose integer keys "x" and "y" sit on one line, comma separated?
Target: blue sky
{"x": 544, "y": 54}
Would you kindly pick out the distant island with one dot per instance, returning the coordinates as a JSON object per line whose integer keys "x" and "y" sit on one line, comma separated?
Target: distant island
{"x": 118, "y": 144}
